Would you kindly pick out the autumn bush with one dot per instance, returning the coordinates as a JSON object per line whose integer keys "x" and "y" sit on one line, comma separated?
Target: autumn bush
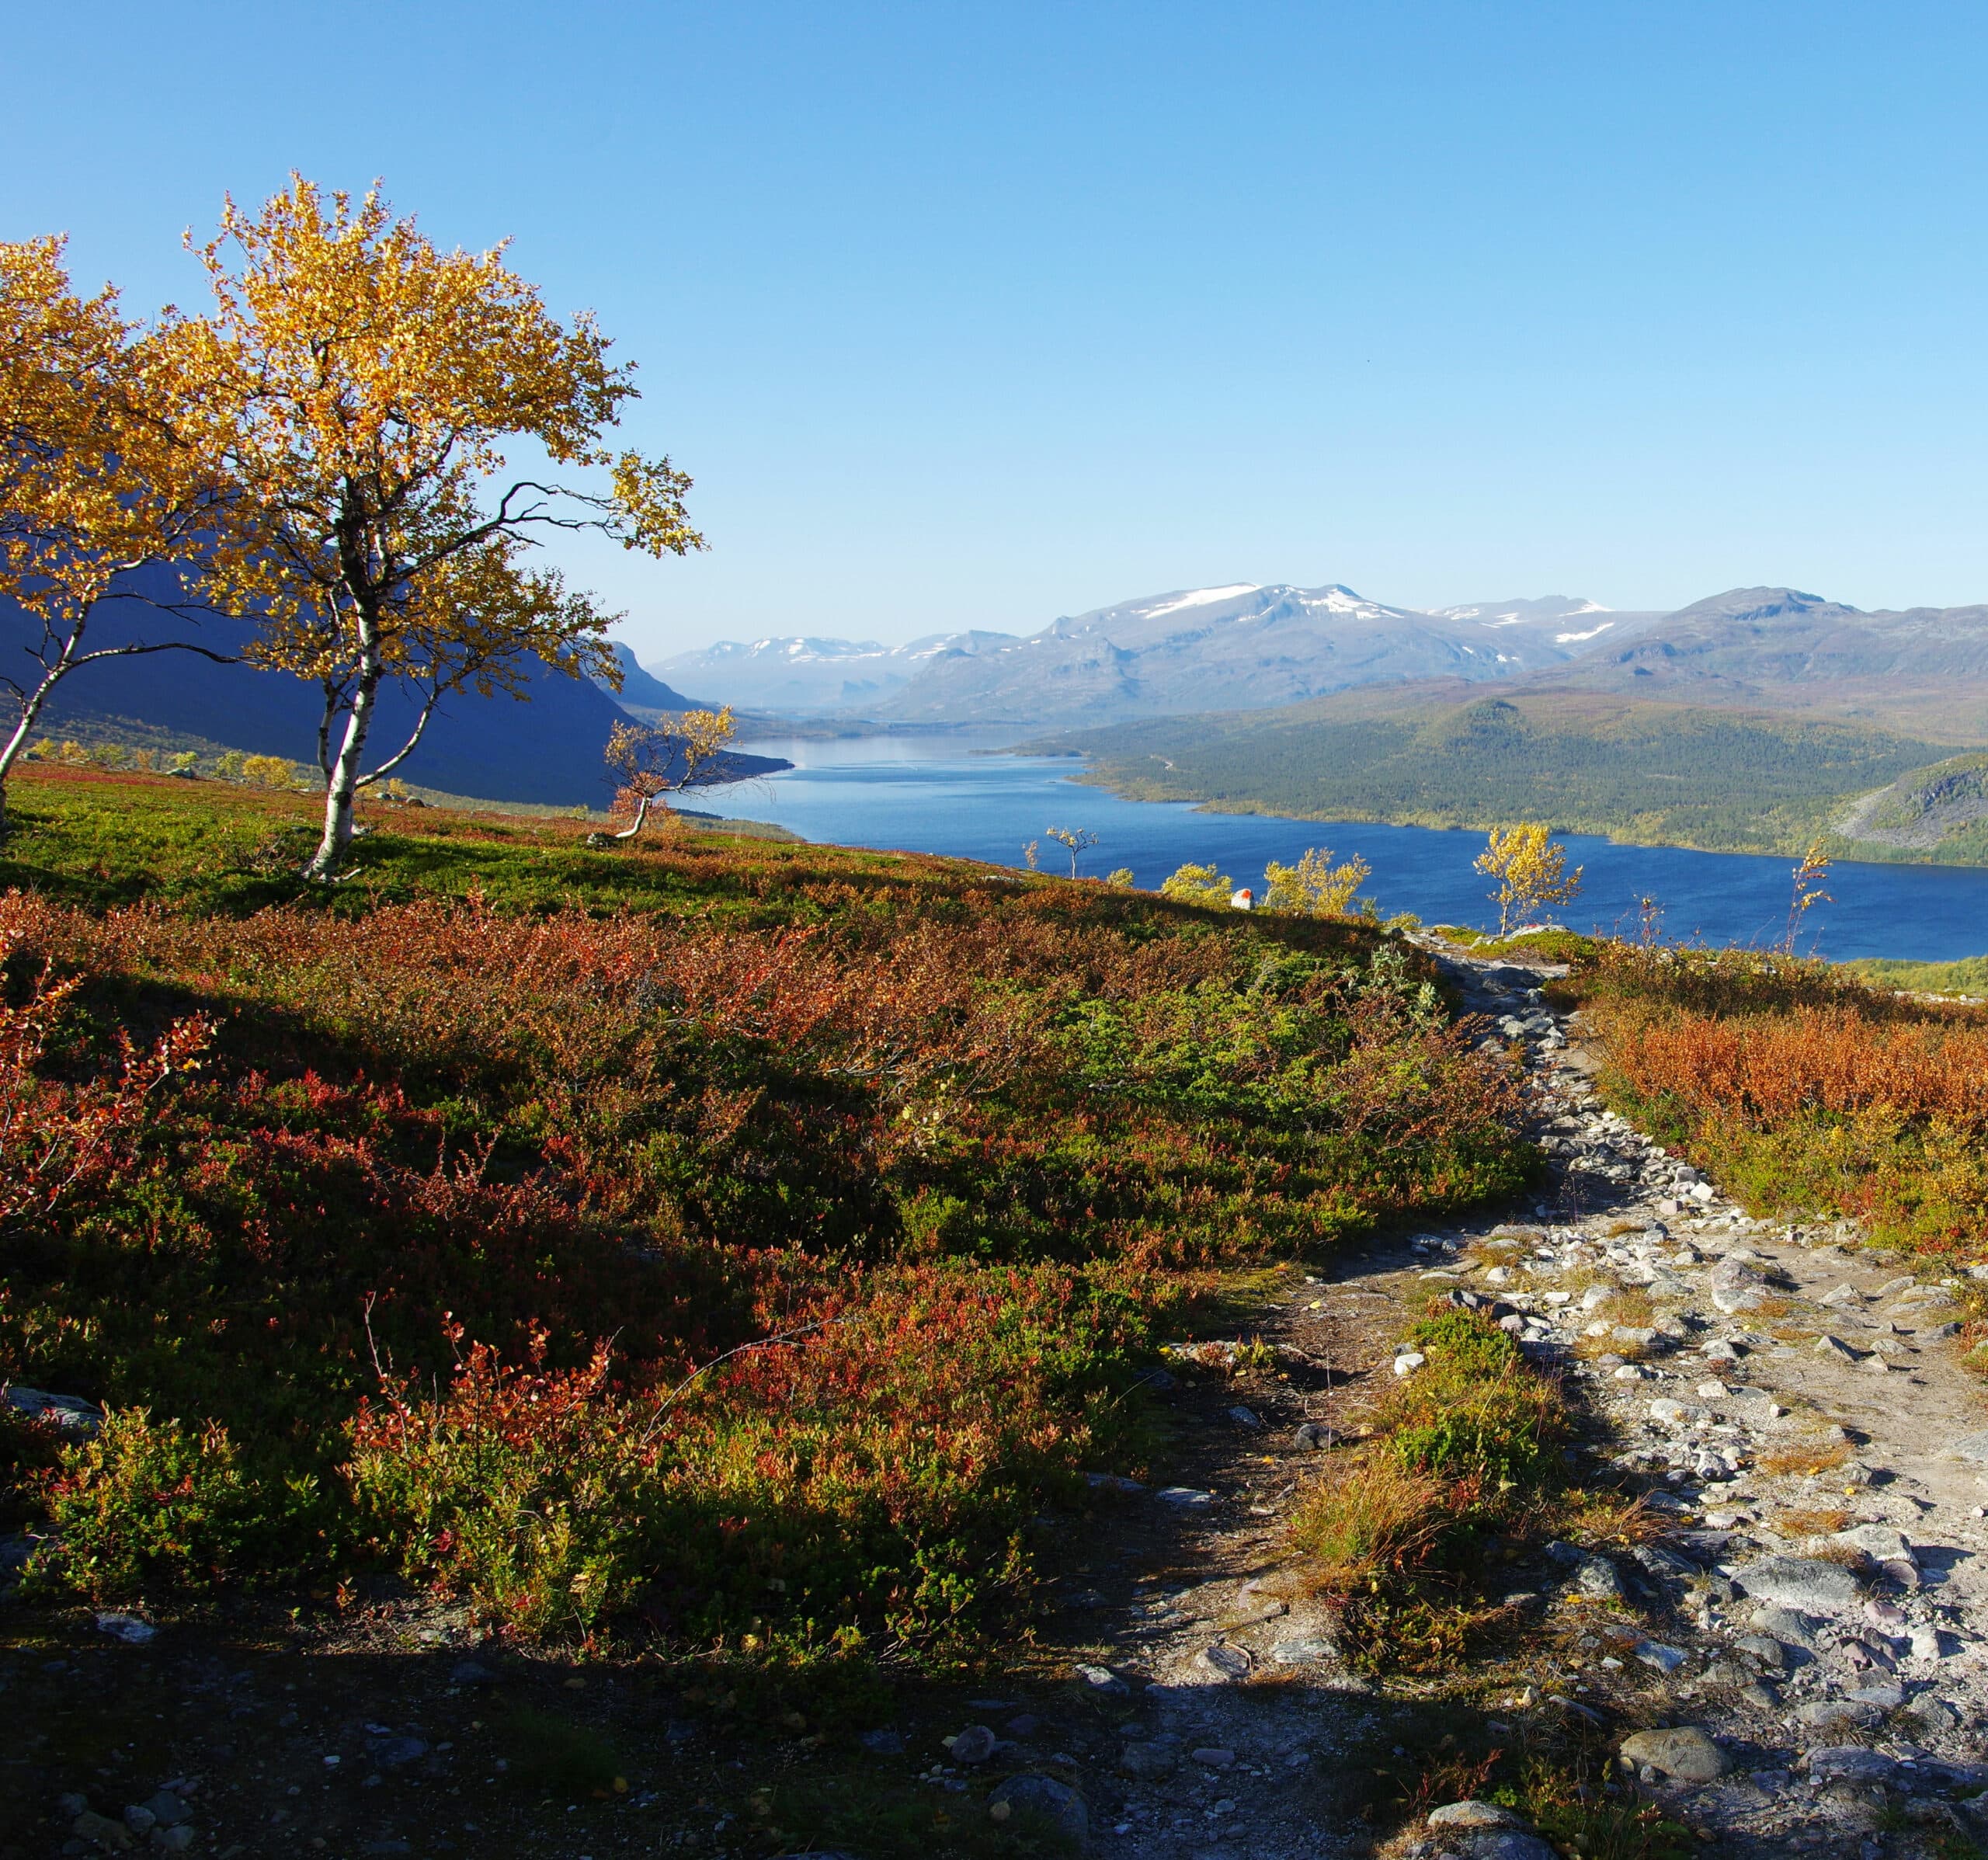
{"x": 740, "y": 1239}
{"x": 1805, "y": 1089}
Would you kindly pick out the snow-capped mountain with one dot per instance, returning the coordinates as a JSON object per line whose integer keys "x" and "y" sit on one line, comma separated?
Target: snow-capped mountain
{"x": 803, "y": 675}
{"x": 1572, "y": 624}
{"x": 1239, "y": 645}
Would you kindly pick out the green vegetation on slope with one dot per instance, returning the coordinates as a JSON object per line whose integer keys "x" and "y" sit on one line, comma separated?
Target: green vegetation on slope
{"x": 1938, "y": 813}
{"x": 1969, "y": 976}
{"x": 554, "y": 1132}
{"x": 1652, "y": 773}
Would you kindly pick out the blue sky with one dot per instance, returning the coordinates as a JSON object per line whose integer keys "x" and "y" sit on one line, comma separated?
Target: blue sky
{"x": 973, "y": 315}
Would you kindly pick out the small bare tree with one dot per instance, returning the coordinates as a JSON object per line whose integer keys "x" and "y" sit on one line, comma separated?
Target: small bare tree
{"x": 1810, "y": 876}
{"x": 1073, "y": 840}
{"x": 657, "y": 760}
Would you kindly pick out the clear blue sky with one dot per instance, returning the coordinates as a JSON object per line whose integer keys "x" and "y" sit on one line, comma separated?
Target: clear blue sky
{"x": 976, "y": 314}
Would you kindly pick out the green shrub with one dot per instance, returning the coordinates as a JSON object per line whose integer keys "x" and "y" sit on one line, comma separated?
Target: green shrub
{"x": 147, "y": 1506}
{"x": 1474, "y": 1410}
{"x": 1199, "y": 884}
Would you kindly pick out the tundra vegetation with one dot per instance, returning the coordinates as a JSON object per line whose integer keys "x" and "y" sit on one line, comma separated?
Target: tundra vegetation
{"x": 726, "y": 1243}
{"x": 1806, "y": 1090}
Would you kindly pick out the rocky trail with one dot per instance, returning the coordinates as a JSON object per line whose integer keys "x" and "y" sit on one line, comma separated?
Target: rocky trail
{"x": 1797, "y": 1659}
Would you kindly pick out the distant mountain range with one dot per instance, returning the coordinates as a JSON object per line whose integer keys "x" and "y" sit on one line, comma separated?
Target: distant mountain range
{"x": 803, "y": 676}
{"x": 1242, "y": 645}
{"x": 1921, "y": 673}
{"x": 1248, "y": 647}
{"x": 1786, "y": 650}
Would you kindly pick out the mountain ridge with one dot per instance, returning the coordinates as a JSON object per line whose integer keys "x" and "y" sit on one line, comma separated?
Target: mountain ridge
{"x": 1244, "y": 645}
{"x": 1154, "y": 655}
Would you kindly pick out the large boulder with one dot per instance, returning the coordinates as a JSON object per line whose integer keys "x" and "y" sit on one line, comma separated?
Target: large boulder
{"x": 1031, "y": 1797}
{"x": 1685, "y": 1752}
{"x": 1808, "y": 1583}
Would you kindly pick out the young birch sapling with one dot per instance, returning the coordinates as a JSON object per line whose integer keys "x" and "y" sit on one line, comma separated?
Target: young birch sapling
{"x": 673, "y": 757}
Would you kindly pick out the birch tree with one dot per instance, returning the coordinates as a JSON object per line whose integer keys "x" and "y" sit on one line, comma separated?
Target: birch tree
{"x": 676, "y": 757}
{"x": 98, "y": 481}
{"x": 1531, "y": 867}
{"x": 401, "y": 426}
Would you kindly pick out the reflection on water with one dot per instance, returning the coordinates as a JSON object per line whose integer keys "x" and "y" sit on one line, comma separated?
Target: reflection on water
{"x": 936, "y": 795}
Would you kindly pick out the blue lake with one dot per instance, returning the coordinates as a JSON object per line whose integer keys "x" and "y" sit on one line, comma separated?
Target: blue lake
{"x": 934, "y": 794}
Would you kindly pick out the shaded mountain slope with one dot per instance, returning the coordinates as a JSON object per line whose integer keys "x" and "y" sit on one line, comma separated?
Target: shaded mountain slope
{"x": 642, "y": 691}
{"x": 547, "y": 750}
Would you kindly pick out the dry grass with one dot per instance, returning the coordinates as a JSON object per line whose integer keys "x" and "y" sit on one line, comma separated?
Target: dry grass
{"x": 1630, "y": 1308}
{"x": 1576, "y": 1279}
{"x": 1610, "y": 1518}
{"x": 1429, "y": 1635}
{"x": 1820, "y": 1521}
{"x": 1369, "y": 1517}
{"x": 1492, "y": 1250}
{"x": 1810, "y": 1457}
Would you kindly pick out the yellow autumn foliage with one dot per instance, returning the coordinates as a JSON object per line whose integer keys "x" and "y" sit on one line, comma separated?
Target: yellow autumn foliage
{"x": 1531, "y": 868}
{"x": 1315, "y": 887}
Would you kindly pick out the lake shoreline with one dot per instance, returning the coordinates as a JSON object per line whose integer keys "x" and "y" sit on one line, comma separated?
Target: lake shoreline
{"x": 945, "y": 795}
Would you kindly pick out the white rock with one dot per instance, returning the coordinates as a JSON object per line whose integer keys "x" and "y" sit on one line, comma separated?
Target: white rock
{"x": 1799, "y": 1582}
{"x": 1472, "y": 1814}
{"x": 1883, "y": 1543}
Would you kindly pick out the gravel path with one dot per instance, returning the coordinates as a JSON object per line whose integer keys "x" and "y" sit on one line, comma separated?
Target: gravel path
{"x": 1804, "y": 1649}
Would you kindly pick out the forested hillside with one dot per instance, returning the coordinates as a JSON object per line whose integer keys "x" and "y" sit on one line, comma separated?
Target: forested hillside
{"x": 1658, "y": 774}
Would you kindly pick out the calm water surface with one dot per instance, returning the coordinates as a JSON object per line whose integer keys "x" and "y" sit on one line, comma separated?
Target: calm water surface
{"x": 933, "y": 794}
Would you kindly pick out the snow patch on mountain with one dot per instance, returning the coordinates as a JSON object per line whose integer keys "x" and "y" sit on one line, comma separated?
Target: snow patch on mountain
{"x": 1200, "y": 597}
